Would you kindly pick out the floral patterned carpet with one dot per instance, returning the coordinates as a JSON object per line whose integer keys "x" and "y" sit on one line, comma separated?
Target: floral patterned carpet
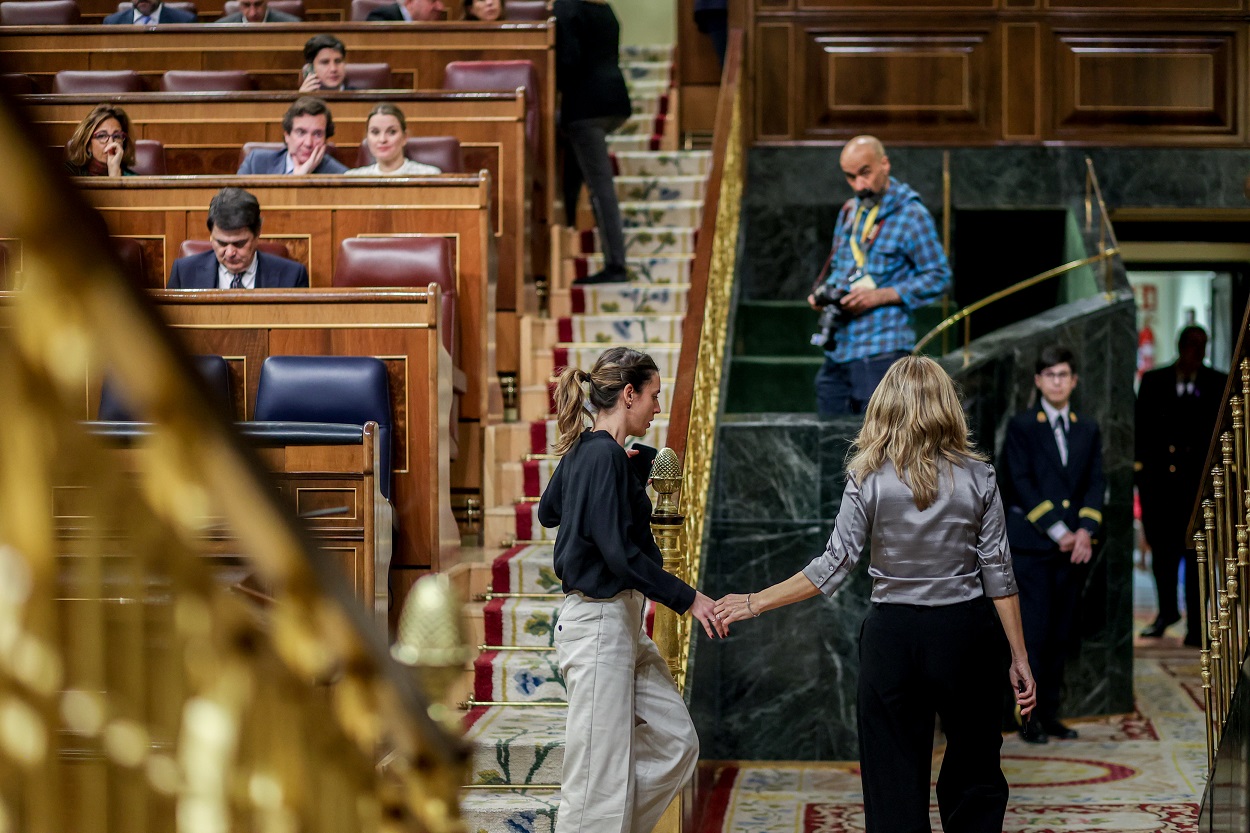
{"x": 1143, "y": 771}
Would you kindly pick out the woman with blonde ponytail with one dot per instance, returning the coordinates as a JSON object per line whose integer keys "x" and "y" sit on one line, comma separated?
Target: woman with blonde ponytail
{"x": 926, "y": 505}
{"x": 630, "y": 745}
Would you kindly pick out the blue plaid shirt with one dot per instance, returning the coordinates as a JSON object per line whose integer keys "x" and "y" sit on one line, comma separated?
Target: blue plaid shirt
{"x": 907, "y": 256}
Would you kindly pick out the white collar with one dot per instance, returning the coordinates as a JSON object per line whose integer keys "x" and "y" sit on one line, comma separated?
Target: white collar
{"x": 155, "y": 16}
{"x": 1052, "y": 414}
{"x": 224, "y": 277}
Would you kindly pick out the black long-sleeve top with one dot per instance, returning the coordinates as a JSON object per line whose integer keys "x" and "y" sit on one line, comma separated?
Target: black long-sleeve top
{"x": 588, "y": 72}
{"x": 605, "y": 545}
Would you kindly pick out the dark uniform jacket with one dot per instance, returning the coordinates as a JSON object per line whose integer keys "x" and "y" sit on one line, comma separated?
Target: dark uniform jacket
{"x": 1173, "y": 434}
{"x": 1039, "y": 490}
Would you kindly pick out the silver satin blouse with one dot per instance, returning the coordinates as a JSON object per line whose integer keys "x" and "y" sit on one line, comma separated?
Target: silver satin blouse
{"x": 954, "y": 551}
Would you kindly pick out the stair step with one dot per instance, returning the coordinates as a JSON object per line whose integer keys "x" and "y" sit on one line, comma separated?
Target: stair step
{"x": 518, "y": 677}
{"x": 676, "y": 268}
{"x": 523, "y": 623}
{"x": 512, "y": 811}
{"x": 636, "y": 72}
{"x": 613, "y": 298}
{"x": 637, "y": 330}
{"x": 644, "y": 242}
{"x": 654, "y": 188}
{"x": 662, "y": 214}
{"x": 774, "y": 328}
{"x": 772, "y": 384}
{"x": 663, "y": 163}
{"x": 647, "y": 52}
{"x": 517, "y": 746}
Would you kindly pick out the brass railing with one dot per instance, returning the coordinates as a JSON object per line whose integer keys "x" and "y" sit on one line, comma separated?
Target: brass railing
{"x": 1108, "y": 249}
{"x": 696, "y": 398}
{"x": 136, "y": 693}
{"x": 1219, "y": 527}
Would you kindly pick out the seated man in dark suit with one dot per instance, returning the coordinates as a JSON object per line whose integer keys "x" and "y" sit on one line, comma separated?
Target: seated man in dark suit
{"x": 148, "y": 12}
{"x": 410, "y": 10}
{"x": 234, "y": 262}
{"x": 305, "y": 128}
{"x": 257, "y": 11}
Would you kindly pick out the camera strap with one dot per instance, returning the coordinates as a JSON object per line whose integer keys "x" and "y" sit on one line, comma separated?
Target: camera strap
{"x": 843, "y": 215}
{"x": 868, "y": 236}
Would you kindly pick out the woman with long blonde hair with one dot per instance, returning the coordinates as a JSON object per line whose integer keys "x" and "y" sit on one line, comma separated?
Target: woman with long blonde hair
{"x": 631, "y": 744}
{"x": 926, "y": 504}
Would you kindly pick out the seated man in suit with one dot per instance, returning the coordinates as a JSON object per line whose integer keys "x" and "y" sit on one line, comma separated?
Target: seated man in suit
{"x": 305, "y": 128}
{"x": 234, "y": 262}
{"x": 257, "y": 11}
{"x": 410, "y": 10}
{"x": 148, "y": 12}
{"x": 1050, "y": 474}
{"x": 325, "y": 64}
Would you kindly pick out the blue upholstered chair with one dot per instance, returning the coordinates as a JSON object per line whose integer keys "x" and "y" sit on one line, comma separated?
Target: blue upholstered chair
{"x": 342, "y": 389}
{"x": 212, "y": 369}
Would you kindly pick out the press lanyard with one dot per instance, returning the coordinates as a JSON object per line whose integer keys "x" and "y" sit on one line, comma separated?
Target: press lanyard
{"x": 869, "y": 228}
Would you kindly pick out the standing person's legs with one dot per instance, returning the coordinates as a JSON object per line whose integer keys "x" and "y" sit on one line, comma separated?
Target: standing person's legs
{"x": 1165, "y": 564}
{"x": 966, "y": 663}
{"x": 666, "y": 747}
{"x": 595, "y": 645}
{"x": 588, "y": 139}
{"x": 1033, "y": 576}
{"x": 1065, "y": 614}
{"x": 571, "y": 182}
{"x": 1193, "y": 604}
{"x": 866, "y": 374}
{"x": 895, "y": 719}
{"x": 833, "y": 389}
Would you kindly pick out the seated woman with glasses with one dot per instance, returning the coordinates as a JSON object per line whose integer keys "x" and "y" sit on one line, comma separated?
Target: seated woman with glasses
{"x": 101, "y": 144}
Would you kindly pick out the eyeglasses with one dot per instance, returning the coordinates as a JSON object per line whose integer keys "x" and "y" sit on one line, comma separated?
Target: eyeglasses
{"x": 103, "y": 136}
{"x": 1056, "y": 375}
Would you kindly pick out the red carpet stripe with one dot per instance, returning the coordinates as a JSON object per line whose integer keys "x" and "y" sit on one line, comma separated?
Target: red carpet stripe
{"x": 484, "y": 676}
{"x": 577, "y": 297}
{"x": 717, "y": 806}
{"x": 532, "y": 489}
{"x": 564, "y": 329}
{"x": 501, "y": 573}
{"x": 524, "y": 522}
{"x": 492, "y": 618}
{"x": 538, "y": 430}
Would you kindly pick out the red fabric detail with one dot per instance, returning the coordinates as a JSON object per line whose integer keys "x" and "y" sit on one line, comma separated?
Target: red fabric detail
{"x": 484, "y": 676}
{"x": 501, "y": 572}
{"x": 559, "y": 359}
{"x": 530, "y": 467}
{"x": 538, "y": 430}
{"x": 473, "y": 716}
{"x": 580, "y": 267}
{"x": 655, "y": 142}
{"x": 713, "y": 817}
{"x": 588, "y": 242}
{"x": 577, "y": 298}
{"x": 524, "y": 522}
{"x": 664, "y": 103}
{"x": 492, "y": 618}
{"x": 564, "y": 329}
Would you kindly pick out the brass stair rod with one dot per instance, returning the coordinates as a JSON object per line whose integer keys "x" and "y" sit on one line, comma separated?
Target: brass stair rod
{"x": 1212, "y": 611}
{"x": 1204, "y": 653}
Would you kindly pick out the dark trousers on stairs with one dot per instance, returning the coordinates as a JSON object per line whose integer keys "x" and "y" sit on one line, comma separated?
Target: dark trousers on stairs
{"x": 917, "y": 663}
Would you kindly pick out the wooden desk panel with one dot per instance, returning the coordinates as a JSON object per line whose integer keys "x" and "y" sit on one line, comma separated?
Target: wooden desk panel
{"x": 203, "y": 135}
{"x": 313, "y": 215}
{"x": 398, "y": 326}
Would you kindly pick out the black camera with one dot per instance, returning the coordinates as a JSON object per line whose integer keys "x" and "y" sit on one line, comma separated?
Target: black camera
{"x": 832, "y": 316}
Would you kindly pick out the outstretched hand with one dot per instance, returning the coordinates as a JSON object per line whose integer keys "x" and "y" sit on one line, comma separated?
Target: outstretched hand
{"x": 703, "y": 610}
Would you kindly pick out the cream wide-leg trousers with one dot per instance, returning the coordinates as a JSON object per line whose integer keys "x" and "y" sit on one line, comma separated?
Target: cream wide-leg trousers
{"x": 631, "y": 745}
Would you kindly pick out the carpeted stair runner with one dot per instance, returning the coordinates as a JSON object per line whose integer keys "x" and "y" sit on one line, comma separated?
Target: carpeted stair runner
{"x": 517, "y": 713}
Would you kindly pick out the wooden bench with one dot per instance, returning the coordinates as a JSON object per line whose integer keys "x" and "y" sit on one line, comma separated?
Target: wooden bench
{"x": 398, "y": 326}
{"x": 202, "y": 134}
{"x": 312, "y": 215}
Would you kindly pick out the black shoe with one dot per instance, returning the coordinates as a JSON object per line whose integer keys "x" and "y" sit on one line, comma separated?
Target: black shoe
{"x": 1057, "y": 730}
{"x": 604, "y": 276}
{"x": 1158, "y": 627}
{"x": 1033, "y": 733}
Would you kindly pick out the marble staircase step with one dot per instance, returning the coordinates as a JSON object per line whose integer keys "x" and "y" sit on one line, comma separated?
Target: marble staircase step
{"x": 517, "y": 745}
{"x": 510, "y": 811}
{"x": 518, "y": 677}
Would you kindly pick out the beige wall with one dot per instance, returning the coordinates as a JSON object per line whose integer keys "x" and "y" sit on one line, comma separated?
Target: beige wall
{"x": 646, "y": 21}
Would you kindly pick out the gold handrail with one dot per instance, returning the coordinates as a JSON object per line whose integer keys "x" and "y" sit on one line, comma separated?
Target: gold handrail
{"x": 1106, "y": 232}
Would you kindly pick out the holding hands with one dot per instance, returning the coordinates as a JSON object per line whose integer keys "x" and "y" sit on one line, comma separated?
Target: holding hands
{"x": 703, "y": 609}
{"x": 735, "y": 607}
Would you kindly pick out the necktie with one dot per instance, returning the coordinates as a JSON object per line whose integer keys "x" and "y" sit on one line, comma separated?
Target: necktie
{"x": 145, "y": 19}
{"x": 237, "y": 281}
{"x": 1061, "y": 439}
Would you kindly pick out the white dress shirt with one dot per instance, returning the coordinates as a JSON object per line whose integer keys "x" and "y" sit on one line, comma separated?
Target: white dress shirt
{"x": 225, "y": 277}
{"x": 1056, "y": 418}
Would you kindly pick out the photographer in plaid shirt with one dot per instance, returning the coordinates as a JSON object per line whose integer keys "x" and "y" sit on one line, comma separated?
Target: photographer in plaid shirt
{"x": 886, "y": 262}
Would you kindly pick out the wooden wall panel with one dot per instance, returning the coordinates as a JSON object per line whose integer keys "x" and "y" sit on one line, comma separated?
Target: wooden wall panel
{"x": 774, "y": 91}
{"x": 1021, "y": 85}
{"x": 1188, "y": 6}
{"x": 926, "y": 83}
{"x": 1144, "y": 83}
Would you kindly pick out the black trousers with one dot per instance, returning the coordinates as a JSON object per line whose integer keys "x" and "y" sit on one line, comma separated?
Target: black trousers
{"x": 1050, "y": 592}
{"x": 917, "y": 663}
{"x": 1165, "y": 564}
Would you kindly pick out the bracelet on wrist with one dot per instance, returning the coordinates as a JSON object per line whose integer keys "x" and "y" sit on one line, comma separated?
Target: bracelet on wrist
{"x": 749, "y": 610}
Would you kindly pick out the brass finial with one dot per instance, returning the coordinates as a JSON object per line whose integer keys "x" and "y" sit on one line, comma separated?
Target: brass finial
{"x": 431, "y": 638}
{"x": 666, "y": 478}
{"x": 510, "y": 390}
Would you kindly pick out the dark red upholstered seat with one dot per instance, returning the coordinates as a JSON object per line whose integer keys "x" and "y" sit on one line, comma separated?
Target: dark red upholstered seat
{"x": 415, "y": 262}
{"x": 443, "y": 152}
{"x": 361, "y": 8}
{"x": 269, "y": 247}
{"x": 206, "y": 81}
{"x": 527, "y": 10}
{"x": 295, "y": 7}
{"x": 15, "y": 83}
{"x": 149, "y": 157}
{"x": 131, "y": 255}
{"x": 494, "y": 76}
{"x": 368, "y": 76}
{"x": 87, "y": 81}
{"x": 39, "y": 13}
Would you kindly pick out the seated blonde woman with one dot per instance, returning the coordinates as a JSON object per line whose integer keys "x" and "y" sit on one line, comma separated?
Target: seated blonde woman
{"x": 387, "y": 134}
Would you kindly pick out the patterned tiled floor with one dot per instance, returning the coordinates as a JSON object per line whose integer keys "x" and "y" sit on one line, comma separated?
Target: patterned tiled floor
{"x": 1139, "y": 772}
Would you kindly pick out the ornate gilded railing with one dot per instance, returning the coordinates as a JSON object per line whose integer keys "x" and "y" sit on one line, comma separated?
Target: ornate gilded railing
{"x": 136, "y": 692}
{"x": 696, "y": 398}
{"x": 1219, "y": 527}
{"x": 1108, "y": 250}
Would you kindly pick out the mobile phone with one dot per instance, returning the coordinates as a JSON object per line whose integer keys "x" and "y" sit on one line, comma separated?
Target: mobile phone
{"x": 306, "y": 71}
